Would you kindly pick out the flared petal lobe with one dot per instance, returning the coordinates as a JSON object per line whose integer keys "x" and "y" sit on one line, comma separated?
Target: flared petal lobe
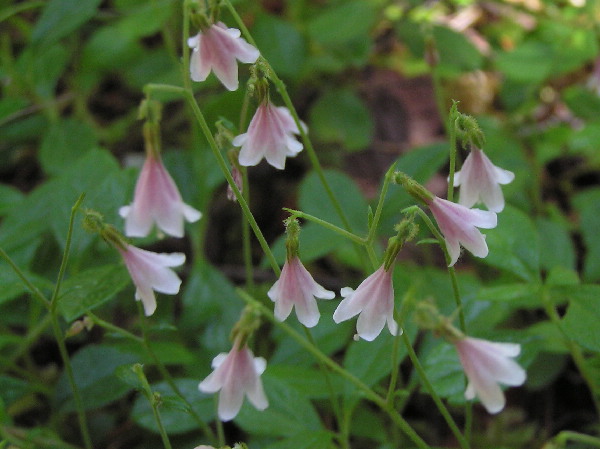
{"x": 270, "y": 136}
{"x": 216, "y": 48}
{"x": 374, "y": 301}
{"x": 151, "y": 272}
{"x": 236, "y": 374}
{"x": 156, "y": 201}
{"x": 480, "y": 180}
{"x": 297, "y": 288}
{"x": 486, "y": 365}
{"x": 459, "y": 226}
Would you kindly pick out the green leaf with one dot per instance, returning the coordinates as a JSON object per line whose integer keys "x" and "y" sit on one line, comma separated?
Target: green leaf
{"x": 531, "y": 62}
{"x": 583, "y": 315}
{"x": 90, "y": 289}
{"x": 557, "y": 249}
{"x": 94, "y": 370}
{"x": 173, "y": 410}
{"x": 340, "y": 116}
{"x": 12, "y": 389}
{"x": 41, "y": 69}
{"x": 281, "y": 44}
{"x": 312, "y": 440}
{"x": 314, "y": 200}
{"x": 328, "y": 28}
{"x": 517, "y": 295}
{"x": 310, "y": 382}
{"x": 9, "y": 198}
{"x": 587, "y": 204}
{"x": 445, "y": 372}
{"x": 60, "y": 18}
{"x": 456, "y": 53}
{"x": 514, "y": 245}
{"x": 289, "y": 412}
{"x": 13, "y": 286}
{"x": 582, "y": 102}
{"x": 64, "y": 143}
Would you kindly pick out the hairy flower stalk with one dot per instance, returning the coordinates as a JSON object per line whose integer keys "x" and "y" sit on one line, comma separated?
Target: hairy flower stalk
{"x": 270, "y": 135}
{"x": 487, "y": 364}
{"x": 236, "y": 374}
{"x": 216, "y": 48}
{"x": 480, "y": 181}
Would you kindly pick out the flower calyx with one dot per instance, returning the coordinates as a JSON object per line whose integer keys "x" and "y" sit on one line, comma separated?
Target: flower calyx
{"x": 413, "y": 188}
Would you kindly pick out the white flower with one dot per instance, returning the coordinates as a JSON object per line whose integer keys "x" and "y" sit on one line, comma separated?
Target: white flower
{"x": 486, "y": 364}
{"x": 480, "y": 181}
{"x": 296, "y": 287}
{"x": 235, "y": 374}
{"x": 270, "y": 135}
{"x": 374, "y": 301}
{"x": 216, "y": 48}
{"x": 156, "y": 200}
{"x": 150, "y": 272}
{"x": 459, "y": 225}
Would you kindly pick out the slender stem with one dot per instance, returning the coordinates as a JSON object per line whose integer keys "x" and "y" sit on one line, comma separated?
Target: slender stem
{"x": 153, "y": 400}
{"x": 574, "y": 349}
{"x": 326, "y": 224}
{"x": 452, "y": 168}
{"x": 112, "y": 328}
{"x": 36, "y": 293}
{"x": 438, "y": 402}
{"x": 65, "y": 258}
{"x": 246, "y": 233}
{"x": 332, "y": 397}
{"x": 83, "y": 427}
{"x": 562, "y": 438}
{"x": 395, "y": 369}
{"x": 386, "y": 183}
{"x": 164, "y": 372}
{"x": 367, "y": 391}
{"x": 189, "y": 96}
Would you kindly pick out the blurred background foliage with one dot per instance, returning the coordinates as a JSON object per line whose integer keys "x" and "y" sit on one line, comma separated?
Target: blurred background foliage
{"x": 369, "y": 77}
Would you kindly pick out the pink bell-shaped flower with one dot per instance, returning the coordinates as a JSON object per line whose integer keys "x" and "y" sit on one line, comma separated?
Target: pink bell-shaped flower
{"x": 156, "y": 200}
{"x": 216, "y": 48}
{"x": 296, "y": 287}
{"x": 151, "y": 272}
{"x": 459, "y": 226}
{"x": 236, "y": 374}
{"x": 487, "y": 364}
{"x": 270, "y": 135}
{"x": 480, "y": 181}
{"x": 374, "y": 301}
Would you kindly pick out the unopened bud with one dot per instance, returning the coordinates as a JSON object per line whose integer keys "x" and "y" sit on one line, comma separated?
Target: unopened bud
{"x": 236, "y": 174}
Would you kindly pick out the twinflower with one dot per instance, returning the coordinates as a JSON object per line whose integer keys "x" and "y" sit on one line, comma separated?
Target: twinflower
{"x": 296, "y": 287}
{"x": 270, "y": 135}
{"x": 151, "y": 272}
{"x": 216, "y": 48}
{"x": 374, "y": 301}
{"x": 487, "y": 364}
{"x": 480, "y": 180}
{"x": 459, "y": 226}
{"x": 156, "y": 200}
{"x": 236, "y": 374}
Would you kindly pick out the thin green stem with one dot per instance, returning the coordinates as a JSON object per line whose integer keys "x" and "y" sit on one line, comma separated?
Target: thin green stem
{"x": 115, "y": 329}
{"x": 464, "y": 444}
{"x": 574, "y": 349}
{"x": 247, "y": 247}
{"x": 164, "y": 372}
{"x": 386, "y": 183}
{"x": 65, "y": 257}
{"x": 367, "y": 391}
{"x": 18, "y": 8}
{"x": 452, "y": 166}
{"x": 332, "y": 396}
{"x": 153, "y": 400}
{"x": 36, "y": 293}
{"x": 349, "y": 235}
{"x": 562, "y": 438}
{"x": 395, "y": 368}
{"x": 189, "y": 96}
{"x": 83, "y": 426}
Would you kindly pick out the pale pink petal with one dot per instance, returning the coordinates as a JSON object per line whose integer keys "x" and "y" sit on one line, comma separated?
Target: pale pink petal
{"x": 256, "y": 395}
{"x": 146, "y": 295}
{"x": 348, "y": 308}
{"x": 503, "y": 176}
{"x": 199, "y": 69}
{"x": 231, "y": 398}
{"x": 370, "y": 325}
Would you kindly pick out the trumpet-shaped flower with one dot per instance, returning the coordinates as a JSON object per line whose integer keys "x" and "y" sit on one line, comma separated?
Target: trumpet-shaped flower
{"x": 374, "y": 301}
{"x": 459, "y": 225}
{"x": 487, "y": 364}
{"x": 270, "y": 135}
{"x": 216, "y": 48}
{"x": 151, "y": 272}
{"x": 156, "y": 200}
{"x": 235, "y": 374}
{"x": 296, "y": 287}
{"x": 480, "y": 181}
